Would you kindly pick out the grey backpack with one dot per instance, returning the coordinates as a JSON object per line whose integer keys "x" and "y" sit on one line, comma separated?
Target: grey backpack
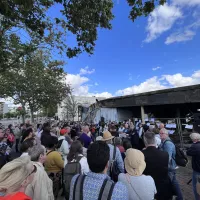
{"x": 71, "y": 169}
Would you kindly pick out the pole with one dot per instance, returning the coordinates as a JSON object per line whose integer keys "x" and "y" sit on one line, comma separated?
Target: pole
{"x": 142, "y": 114}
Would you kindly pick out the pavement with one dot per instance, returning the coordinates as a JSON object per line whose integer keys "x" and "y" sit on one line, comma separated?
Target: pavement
{"x": 184, "y": 174}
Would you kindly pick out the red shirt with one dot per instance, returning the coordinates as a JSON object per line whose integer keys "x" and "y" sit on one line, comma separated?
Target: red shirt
{"x": 16, "y": 196}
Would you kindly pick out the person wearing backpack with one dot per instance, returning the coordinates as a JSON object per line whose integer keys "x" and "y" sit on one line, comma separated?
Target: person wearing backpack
{"x": 77, "y": 164}
{"x": 168, "y": 146}
{"x": 96, "y": 185}
{"x": 63, "y": 146}
{"x": 116, "y": 164}
{"x": 194, "y": 151}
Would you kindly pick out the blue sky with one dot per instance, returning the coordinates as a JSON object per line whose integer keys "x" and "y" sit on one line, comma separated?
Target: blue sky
{"x": 156, "y": 52}
{"x": 152, "y": 53}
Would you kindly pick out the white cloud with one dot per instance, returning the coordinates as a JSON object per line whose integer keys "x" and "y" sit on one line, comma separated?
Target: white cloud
{"x": 96, "y": 84}
{"x": 156, "y": 68}
{"x": 86, "y": 71}
{"x": 149, "y": 85}
{"x": 196, "y": 74}
{"x": 161, "y": 20}
{"x": 186, "y": 2}
{"x": 180, "y": 37}
{"x": 165, "y": 81}
{"x": 80, "y": 86}
{"x": 178, "y": 80}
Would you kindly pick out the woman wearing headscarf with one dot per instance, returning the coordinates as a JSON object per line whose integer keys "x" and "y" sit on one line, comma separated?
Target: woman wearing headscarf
{"x": 15, "y": 177}
{"x": 140, "y": 187}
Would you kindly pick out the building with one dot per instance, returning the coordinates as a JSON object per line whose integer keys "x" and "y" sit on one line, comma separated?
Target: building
{"x": 178, "y": 108}
{"x": 3, "y": 108}
{"x": 81, "y": 108}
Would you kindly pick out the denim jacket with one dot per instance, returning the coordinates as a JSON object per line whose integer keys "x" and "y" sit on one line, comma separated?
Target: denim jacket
{"x": 168, "y": 146}
{"x": 118, "y": 157}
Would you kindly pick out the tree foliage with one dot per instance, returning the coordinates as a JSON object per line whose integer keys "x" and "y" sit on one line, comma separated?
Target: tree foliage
{"x": 80, "y": 18}
{"x": 39, "y": 82}
{"x": 142, "y": 7}
{"x": 27, "y": 25}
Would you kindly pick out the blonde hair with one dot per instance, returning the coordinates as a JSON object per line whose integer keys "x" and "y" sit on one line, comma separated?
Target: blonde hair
{"x": 14, "y": 173}
{"x": 195, "y": 136}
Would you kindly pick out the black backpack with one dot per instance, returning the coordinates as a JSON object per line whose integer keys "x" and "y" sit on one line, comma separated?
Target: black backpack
{"x": 71, "y": 169}
{"x": 180, "y": 158}
{"x": 114, "y": 170}
{"x": 104, "y": 194}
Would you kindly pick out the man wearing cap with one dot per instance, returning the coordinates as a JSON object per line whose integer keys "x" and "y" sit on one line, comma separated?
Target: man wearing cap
{"x": 107, "y": 137}
{"x": 64, "y": 145}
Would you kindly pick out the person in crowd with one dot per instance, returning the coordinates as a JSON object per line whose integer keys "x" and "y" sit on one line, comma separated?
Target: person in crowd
{"x": 86, "y": 139}
{"x": 54, "y": 164}
{"x": 41, "y": 188}
{"x": 66, "y": 131}
{"x": 140, "y": 187}
{"x": 157, "y": 167}
{"x": 118, "y": 143}
{"x": 161, "y": 126}
{"x": 45, "y": 135}
{"x": 63, "y": 145}
{"x": 84, "y": 149}
{"x": 97, "y": 180}
{"x": 134, "y": 138}
{"x": 168, "y": 146}
{"x": 76, "y": 153}
{"x": 126, "y": 130}
{"x": 107, "y": 137}
{"x": 17, "y": 133}
{"x": 15, "y": 176}
{"x": 10, "y": 136}
{"x": 26, "y": 145}
{"x": 10, "y": 126}
{"x": 39, "y": 130}
{"x": 121, "y": 130}
{"x": 27, "y": 134}
{"x": 3, "y": 149}
{"x": 194, "y": 151}
{"x": 127, "y": 144}
{"x": 113, "y": 130}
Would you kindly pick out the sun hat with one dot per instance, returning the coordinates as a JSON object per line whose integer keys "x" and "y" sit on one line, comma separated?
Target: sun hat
{"x": 107, "y": 136}
{"x": 134, "y": 162}
{"x": 63, "y": 131}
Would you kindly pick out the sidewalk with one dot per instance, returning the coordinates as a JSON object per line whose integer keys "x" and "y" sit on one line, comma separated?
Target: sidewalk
{"x": 184, "y": 174}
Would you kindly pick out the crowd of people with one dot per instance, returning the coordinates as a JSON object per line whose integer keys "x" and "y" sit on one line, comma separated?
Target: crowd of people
{"x": 113, "y": 161}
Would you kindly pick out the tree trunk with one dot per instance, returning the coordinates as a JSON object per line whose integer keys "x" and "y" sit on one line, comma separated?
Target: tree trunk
{"x": 23, "y": 115}
{"x": 32, "y": 117}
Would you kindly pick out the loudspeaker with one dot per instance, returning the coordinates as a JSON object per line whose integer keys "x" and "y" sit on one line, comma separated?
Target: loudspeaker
{"x": 197, "y": 122}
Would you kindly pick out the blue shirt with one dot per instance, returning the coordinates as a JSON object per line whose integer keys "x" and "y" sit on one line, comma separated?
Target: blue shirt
{"x": 86, "y": 139}
{"x": 118, "y": 158}
{"x": 169, "y": 147}
{"x": 92, "y": 186}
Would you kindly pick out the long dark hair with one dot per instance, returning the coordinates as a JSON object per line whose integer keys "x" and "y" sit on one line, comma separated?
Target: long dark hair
{"x": 75, "y": 149}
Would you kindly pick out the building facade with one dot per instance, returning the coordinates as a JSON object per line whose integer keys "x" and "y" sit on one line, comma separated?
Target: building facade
{"x": 82, "y": 103}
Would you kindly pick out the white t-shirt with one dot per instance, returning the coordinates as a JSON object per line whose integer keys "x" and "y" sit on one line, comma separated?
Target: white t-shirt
{"x": 142, "y": 186}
